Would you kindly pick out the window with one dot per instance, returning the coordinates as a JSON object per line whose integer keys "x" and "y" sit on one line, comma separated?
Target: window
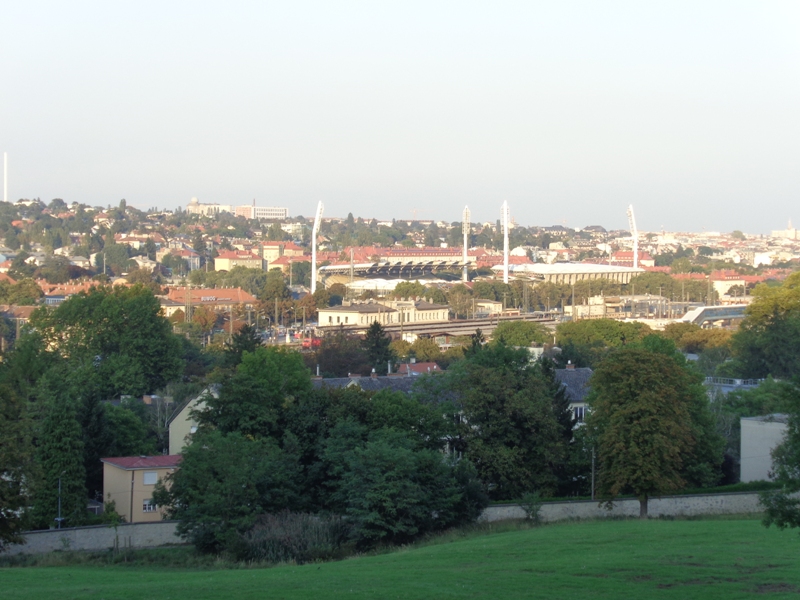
{"x": 579, "y": 412}
{"x": 149, "y": 506}
{"x": 150, "y": 477}
{"x": 346, "y": 319}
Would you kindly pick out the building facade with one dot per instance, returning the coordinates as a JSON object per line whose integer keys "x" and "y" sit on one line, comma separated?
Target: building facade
{"x": 195, "y": 207}
{"x": 274, "y": 213}
{"x": 228, "y": 259}
{"x": 129, "y": 482}
{"x": 389, "y": 312}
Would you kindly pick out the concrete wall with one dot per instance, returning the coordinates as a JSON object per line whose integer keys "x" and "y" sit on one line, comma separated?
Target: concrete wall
{"x": 759, "y": 438}
{"x": 711, "y": 504}
{"x": 99, "y": 537}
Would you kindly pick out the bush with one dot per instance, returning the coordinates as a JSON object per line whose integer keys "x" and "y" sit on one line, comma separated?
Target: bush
{"x": 394, "y": 491}
{"x": 299, "y": 537}
{"x": 531, "y": 503}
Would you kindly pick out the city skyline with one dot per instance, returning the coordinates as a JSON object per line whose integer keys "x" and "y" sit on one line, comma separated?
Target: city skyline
{"x": 568, "y": 113}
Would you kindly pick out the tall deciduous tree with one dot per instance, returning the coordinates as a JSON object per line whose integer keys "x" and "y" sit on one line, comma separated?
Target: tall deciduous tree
{"x": 60, "y": 455}
{"x": 640, "y": 416}
{"x": 15, "y": 466}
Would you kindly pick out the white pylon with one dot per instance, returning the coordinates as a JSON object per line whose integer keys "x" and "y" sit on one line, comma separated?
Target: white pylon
{"x": 635, "y": 236}
{"x": 465, "y": 228}
{"x": 314, "y": 234}
{"x": 504, "y": 221}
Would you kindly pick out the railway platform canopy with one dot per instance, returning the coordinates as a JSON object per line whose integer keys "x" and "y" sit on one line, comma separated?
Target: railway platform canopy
{"x": 570, "y": 273}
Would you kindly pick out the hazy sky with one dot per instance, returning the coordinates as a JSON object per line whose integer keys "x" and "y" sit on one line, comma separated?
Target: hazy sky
{"x": 569, "y": 110}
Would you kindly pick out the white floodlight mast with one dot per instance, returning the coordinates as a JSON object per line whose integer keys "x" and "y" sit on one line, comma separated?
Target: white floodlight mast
{"x": 635, "y": 236}
{"x": 314, "y": 234}
{"x": 504, "y": 220}
{"x": 465, "y": 226}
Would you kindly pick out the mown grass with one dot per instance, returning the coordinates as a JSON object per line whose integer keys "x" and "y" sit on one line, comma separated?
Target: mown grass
{"x": 721, "y": 558}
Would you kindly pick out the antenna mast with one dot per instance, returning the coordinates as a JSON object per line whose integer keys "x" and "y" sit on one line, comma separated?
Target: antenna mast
{"x": 314, "y": 234}
{"x": 634, "y": 235}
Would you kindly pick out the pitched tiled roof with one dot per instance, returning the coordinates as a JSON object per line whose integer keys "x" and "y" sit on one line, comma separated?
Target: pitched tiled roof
{"x": 361, "y": 308}
{"x": 218, "y": 295}
{"x": 238, "y": 255}
{"x": 576, "y": 382}
{"x": 144, "y": 462}
{"x": 369, "y": 384}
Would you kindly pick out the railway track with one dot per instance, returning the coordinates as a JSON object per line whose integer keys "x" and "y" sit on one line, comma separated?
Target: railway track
{"x": 454, "y": 327}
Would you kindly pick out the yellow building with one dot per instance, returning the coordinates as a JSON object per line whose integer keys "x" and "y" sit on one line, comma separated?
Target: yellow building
{"x": 388, "y": 312}
{"x": 183, "y": 424}
{"x": 236, "y": 258}
{"x": 129, "y": 482}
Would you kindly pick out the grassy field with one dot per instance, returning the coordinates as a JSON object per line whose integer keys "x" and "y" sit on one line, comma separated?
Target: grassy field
{"x": 727, "y": 559}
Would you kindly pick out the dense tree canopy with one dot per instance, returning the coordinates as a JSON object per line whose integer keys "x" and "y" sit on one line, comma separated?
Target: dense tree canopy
{"x": 768, "y": 340}
{"x": 507, "y": 417}
{"x": 15, "y": 466}
{"x": 586, "y": 343}
{"x": 641, "y": 420}
{"x": 521, "y": 333}
{"x": 115, "y": 337}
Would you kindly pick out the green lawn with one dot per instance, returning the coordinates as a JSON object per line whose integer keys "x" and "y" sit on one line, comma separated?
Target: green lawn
{"x": 724, "y": 559}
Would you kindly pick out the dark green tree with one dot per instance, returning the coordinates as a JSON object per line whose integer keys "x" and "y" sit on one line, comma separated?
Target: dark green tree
{"x": 376, "y": 345}
{"x": 253, "y": 399}
{"x": 339, "y": 355}
{"x": 128, "y": 433}
{"x": 246, "y": 339}
{"x": 393, "y": 490}
{"x": 506, "y": 420}
{"x": 225, "y": 482}
{"x": 199, "y": 246}
{"x": 15, "y": 466}
{"x": 60, "y": 454}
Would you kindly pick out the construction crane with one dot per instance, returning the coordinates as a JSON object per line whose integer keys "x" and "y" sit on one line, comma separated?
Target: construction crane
{"x": 634, "y": 235}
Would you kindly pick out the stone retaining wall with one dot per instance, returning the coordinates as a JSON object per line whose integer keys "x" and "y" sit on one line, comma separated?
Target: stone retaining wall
{"x": 700, "y": 504}
{"x": 99, "y": 537}
{"x": 149, "y": 535}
